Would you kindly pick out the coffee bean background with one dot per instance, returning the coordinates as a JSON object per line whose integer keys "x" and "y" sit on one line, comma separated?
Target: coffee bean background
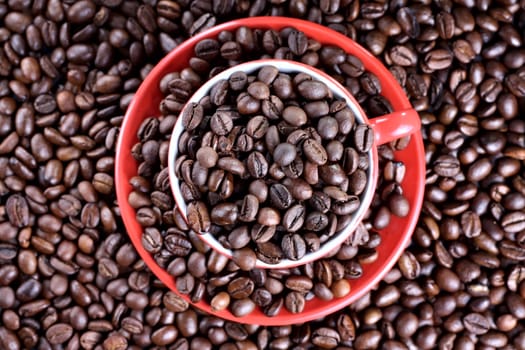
{"x": 291, "y": 207}
{"x": 69, "y": 276}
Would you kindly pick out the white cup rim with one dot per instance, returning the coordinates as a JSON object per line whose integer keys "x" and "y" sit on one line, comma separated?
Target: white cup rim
{"x": 339, "y": 91}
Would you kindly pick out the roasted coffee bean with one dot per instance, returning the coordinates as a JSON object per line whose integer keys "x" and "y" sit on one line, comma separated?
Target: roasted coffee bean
{"x": 293, "y": 246}
{"x": 280, "y": 196}
{"x": 249, "y": 208}
{"x": 364, "y": 138}
{"x": 316, "y": 221}
{"x": 294, "y": 115}
{"x": 269, "y": 253}
{"x": 314, "y": 152}
{"x": 257, "y": 165}
{"x": 403, "y": 56}
{"x": 312, "y": 90}
{"x": 59, "y": 333}
{"x": 294, "y": 302}
{"x": 17, "y": 211}
{"x": 192, "y": 116}
{"x": 224, "y": 214}
{"x": 221, "y": 123}
{"x": 284, "y": 154}
{"x": 198, "y": 217}
{"x": 261, "y": 233}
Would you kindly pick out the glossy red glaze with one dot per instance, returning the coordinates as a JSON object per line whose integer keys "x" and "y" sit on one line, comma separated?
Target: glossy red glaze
{"x": 394, "y": 238}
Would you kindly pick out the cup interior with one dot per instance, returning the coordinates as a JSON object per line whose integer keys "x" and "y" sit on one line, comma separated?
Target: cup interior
{"x": 339, "y": 92}
{"x": 394, "y": 238}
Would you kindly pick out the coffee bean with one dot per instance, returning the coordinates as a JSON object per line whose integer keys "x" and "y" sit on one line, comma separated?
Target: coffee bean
{"x": 269, "y": 253}
{"x": 513, "y": 222}
{"x": 224, "y": 214}
{"x": 316, "y": 221}
{"x": 298, "y": 42}
{"x": 192, "y": 116}
{"x": 347, "y": 206}
{"x": 242, "y": 307}
{"x": 232, "y": 165}
{"x": 293, "y": 246}
{"x": 245, "y": 258}
{"x": 325, "y": 338}
{"x": 280, "y": 196}
{"x": 403, "y": 56}
{"x": 284, "y": 154}
{"x": 221, "y": 124}
{"x": 314, "y": 152}
{"x": 198, "y": 217}
{"x": 220, "y": 301}
{"x": 249, "y": 208}
{"x": 446, "y": 166}
{"x": 261, "y": 234}
{"x": 294, "y": 115}
{"x": 364, "y": 138}
{"x": 476, "y": 323}
{"x": 207, "y": 157}
{"x": 294, "y": 302}
{"x": 17, "y": 210}
{"x": 257, "y": 165}
{"x": 313, "y": 90}
{"x": 59, "y": 333}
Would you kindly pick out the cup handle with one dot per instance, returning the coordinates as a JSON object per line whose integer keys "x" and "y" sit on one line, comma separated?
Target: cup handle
{"x": 390, "y": 127}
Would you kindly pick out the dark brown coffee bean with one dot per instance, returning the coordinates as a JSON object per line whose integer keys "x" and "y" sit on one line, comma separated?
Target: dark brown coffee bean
{"x": 280, "y": 196}
{"x": 403, "y": 56}
{"x": 346, "y": 206}
{"x": 221, "y": 124}
{"x": 192, "y": 116}
{"x": 364, "y": 138}
{"x": 257, "y": 165}
{"x": 294, "y": 115}
{"x": 220, "y": 301}
{"x": 313, "y": 90}
{"x": 198, "y": 217}
{"x": 316, "y": 221}
{"x": 245, "y": 258}
{"x": 284, "y": 154}
{"x": 17, "y": 211}
{"x": 249, "y": 208}
{"x": 399, "y": 205}
{"x": 446, "y": 166}
{"x": 242, "y": 307}
{"x": 298, "y": 42}
{"x": 261, "y": 234}
{"x": 294, "y": 302}
{"x": 269, "y": 253}
{"x": 314, "y": 152}
{"x": 207, "y": 49}
{"x": 293, "y": 246}
{"x": 513, "y": 221}
{"x": 332, "y": 55}
{"x": 476, "y": 323}
{"x": 59, "y": 333}
{"x": 233, "y": 165}
{"x": 325, "y": 338}
{"x": 224, "y": 214}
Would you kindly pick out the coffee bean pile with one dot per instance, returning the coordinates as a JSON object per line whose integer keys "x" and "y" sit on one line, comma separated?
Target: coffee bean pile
{"x": 267, "y": 129}
{"x": 204, "y": 274}
{"x": 169, "y": 240}
{"x": 69, "y": 276}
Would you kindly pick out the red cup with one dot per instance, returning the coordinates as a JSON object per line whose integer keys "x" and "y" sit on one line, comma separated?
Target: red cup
{"x": 386, "y": 128}
{"x": 394, "y": 238}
